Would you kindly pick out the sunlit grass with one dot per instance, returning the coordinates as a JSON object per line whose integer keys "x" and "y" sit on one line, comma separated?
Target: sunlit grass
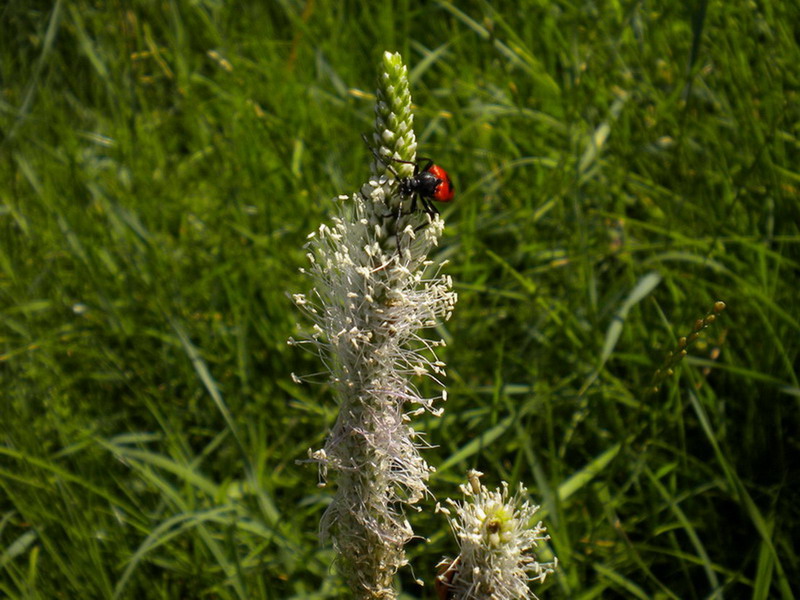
{"x": 618, "y": 170}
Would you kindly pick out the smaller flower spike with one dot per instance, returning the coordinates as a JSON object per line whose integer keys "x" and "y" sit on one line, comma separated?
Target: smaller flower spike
{"x": 496, "y": 538}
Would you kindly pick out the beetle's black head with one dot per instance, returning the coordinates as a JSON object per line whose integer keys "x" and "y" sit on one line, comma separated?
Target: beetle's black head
{"x": 424, "y": 184}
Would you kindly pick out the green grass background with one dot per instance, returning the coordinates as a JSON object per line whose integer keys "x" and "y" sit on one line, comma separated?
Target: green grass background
{"x": 619, "y": 167}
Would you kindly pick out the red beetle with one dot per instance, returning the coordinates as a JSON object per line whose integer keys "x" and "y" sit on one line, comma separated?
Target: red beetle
{"x": 430, "y": 182}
